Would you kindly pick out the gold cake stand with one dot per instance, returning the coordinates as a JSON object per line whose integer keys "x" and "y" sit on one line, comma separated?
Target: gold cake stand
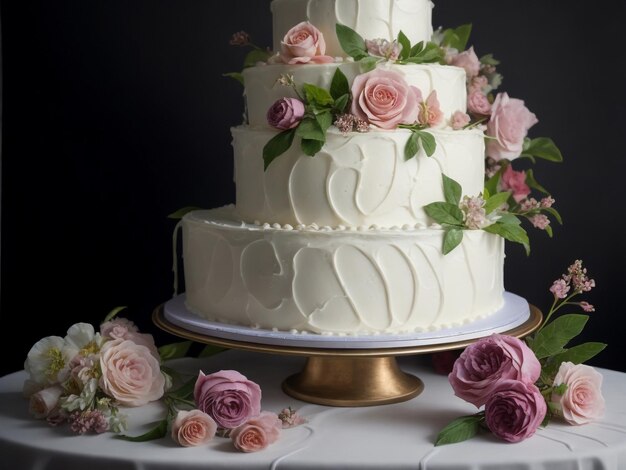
{"x": 345, "y": 377}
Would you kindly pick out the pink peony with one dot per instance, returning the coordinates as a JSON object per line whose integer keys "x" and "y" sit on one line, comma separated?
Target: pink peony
{"x": 467, "y": 60}
{"x": 302, "y": 44}
{"x": 257, "y": 433}
{"x": 459, "y": 120}
{"x": 130, "y": 373}
{"x": 480, "y": 368}
{"x": 509, "y": 124}
{"x": 582, "y": 401}
{"x": 193, "y": 428}
{"x": 515, "y": 181}
{"x": 430, "y": 111}
{"x": 477, "y": 103}
{"x": 384, "y": 99}
{"x": 228, "y": 397}
{"x": 285, "y": 113}
{"x": 515, "y": 410}
{"x": 43, "y": 402}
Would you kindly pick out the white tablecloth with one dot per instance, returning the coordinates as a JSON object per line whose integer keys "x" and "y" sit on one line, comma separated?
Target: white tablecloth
{"x": 396, "y": 436}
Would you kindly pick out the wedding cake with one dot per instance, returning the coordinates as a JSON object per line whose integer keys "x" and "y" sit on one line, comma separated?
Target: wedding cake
{"x": 330, "y": 232}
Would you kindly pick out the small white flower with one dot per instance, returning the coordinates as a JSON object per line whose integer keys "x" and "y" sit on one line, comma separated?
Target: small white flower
{"x": 82, "y": 339}
{"x": 46, "y": 360}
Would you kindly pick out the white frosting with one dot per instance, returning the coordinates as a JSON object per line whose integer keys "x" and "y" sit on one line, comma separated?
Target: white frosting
{"x": 355, "y": 180}
{"x": 337, "y": 281}
{"x": 262, "y": 91}
{"x": 370, "y": 18}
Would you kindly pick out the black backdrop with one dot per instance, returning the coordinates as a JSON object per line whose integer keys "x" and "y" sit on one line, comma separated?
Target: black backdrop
{"x": 115, "y": 114}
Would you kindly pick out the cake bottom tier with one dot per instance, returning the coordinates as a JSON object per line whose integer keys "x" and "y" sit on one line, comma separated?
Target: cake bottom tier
{"x": 337, "y": 281}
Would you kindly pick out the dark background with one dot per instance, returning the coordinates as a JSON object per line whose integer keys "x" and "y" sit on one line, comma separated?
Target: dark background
{"x": 115, "y": 114}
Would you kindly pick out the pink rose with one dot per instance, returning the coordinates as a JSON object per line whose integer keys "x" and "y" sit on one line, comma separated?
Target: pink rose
{"x": 467, "y": 60}
{"x": 193, "y": 428}
{"x": 430, "y": 111}
{"x": 459, "y": 120}
{"x": 478, "y": 103}
{"x": 509, "y": 124}
{"x": 384, "y": 99}
{"x": 45, "y": 401}
{"x": 515, "y": 410}
{"x": 130, "y": 373}
{"x": 582, "y": 401}
{"x": 228, "y": 397}
{"x": 484, "y": 364}
{"x": 286, "y": 113}
{"x": 302, "y": 44}
{"x": 257, "y": 433}
{"x": 515, "y": 181}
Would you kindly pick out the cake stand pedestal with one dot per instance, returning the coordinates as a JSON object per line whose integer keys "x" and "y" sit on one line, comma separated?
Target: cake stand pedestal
{"x": 348, "y": 371}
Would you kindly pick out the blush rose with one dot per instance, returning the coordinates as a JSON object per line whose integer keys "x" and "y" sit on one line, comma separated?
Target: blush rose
{"x": 484, "y": 364}
{"x": 257, "y": 433}
{"x": 515, "y": 410}
{"x": 478, "y": 103}
{"x": 467, "y": 60}
{"x": 43, "y": 402}
{"x": 285, "y": 113}
{"x": 509, "y": 125}
{"x": 193, "y": 428}
{"x": 302, "y": 44}
{"x": 384, "y": 99}
{"x": 228, "y": 397}
{"x": 130, "y": 373}
{"x": 582, "y": 402}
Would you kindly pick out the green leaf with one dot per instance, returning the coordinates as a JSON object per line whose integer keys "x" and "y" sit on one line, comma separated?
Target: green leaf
{"x": 452, "y": 239}
{"x": 159, "y": 431}
{"x": 174, "y": 350}
{"x": 578, "y": 354}
{"x": 341, "y": 103}
{"x": 309, "y": 128}
{"x": 452, "y": 190}
{"x": 277, "y": 145}
{"x": 112, "y": 314}
{"x": 555, "y": 213}
{"x": 492, "y": 183}
{"x": 532, "y": 182}
{"x": 339, "y": 86}
{"x": 185, "y": 391}
{"x": 488, "y": 59}
{"x": 180, "y": 213}
{"x": 324, "y": 120}
{"x": 417, "y": 49}
{"x": 368, "y": 63}
{"x": 496, "y": 201}
{"x": 457, "y": 38}
{"x": 255, "y": 56}
{"x": 549, "y": 231}
{"x": 445, "y": 213}
{"x": 431, "y": 53}
{"x": 429, "y": 144}
{"x": 511, "y": 232}
{"x": 351, "y": 42}
{"x": 310, "y": 147}
{"x": 553, "y": 337}
{"x": 545, "y": 148}
{"x": 461, "y": 429}
{"x": 235, "y": 75}
{"x": 317, "y": 95}
{"x": 412, "y": 146}
{"x": 406, "y": 45}
{"x": 210, "y": 350}
{"x": 509, "y": 219}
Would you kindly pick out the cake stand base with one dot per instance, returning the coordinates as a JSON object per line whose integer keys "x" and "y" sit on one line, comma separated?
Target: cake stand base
{"x": 352, "y": 381}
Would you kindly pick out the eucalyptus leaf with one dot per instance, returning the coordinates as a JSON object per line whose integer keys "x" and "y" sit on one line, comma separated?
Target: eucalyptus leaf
{"x": 511, "y": 232}
{"x": 496, "y": 201}
{"x": 339, "y": 85}
{"x": 452, "y": 190}
{"x": 544, "y": 147}
{"x": 445, "y": 213}
{"x": 310, "y": 147}
{"x": 351, "y": 42}
{"x": 429, "y": 144}
{"x": 405, "y": 42}
{"x": 452, "y": 239}
{"x": 234, "y": 75}
{"x": 255, "y": 56}
{"x": 412, "y": 146}
{"x": 180, "y": 213}
{"x": 174, "y": 350}
{"x": 159, "y": 431}
{"x": 577, "y": 355}
{"x": 309, "y": 128}
{"x": 277, "y": 145}
{"x": 113, "y": 313}
{"x": 461, "y": 429}
{"x": 532, "y": 182}
{"x": 553, "y": 337}
{"x": 316, "y": 95}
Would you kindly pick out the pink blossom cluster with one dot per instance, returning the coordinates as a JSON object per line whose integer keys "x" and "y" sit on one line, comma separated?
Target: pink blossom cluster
{"x": 577, "y": 278}
{"x": 350, "y": 123}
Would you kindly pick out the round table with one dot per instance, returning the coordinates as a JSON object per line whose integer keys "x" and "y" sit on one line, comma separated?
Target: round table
{"x": 391, "y": 436}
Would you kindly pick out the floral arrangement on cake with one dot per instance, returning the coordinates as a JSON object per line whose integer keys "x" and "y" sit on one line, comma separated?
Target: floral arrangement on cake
{"x": 87, "y": 377}
{"x": 522, "y": 385}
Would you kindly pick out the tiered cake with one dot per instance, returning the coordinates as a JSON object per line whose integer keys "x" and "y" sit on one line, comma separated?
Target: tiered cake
{"x": 339, "y": 243}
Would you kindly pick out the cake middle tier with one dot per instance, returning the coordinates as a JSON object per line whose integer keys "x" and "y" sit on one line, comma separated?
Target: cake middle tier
{"x": 262, "y": 88}
{"x": 355, "y": 180}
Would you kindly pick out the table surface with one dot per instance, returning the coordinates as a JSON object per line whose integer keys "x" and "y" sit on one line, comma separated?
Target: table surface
{"x": 398, "y": 436}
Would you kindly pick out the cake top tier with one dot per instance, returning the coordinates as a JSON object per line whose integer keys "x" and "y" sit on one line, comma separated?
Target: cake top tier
{"x": 372, "y": 19}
